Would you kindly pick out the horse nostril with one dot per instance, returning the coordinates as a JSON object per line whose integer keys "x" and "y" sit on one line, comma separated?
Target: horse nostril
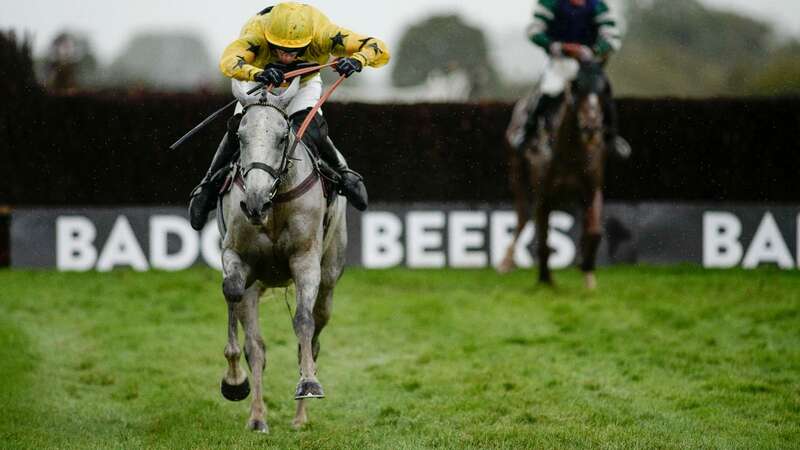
{"x": 244, "y": 208}
{"x": 266, "y": 207}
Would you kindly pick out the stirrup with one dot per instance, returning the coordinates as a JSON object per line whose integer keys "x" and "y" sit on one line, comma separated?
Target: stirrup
{"x": 621, "y": 147}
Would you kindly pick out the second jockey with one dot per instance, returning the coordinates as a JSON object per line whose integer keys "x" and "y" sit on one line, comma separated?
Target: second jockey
{"x": 591, "y": 25}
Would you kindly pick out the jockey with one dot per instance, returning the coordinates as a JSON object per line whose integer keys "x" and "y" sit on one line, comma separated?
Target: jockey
{"x": 589, "y": 23}
{"x": 279, "y": 39}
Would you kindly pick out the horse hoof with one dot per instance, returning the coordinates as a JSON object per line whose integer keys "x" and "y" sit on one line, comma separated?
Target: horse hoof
{"x": 298, "y": 424}
{"x": 590, "y": 281}
{"x": 235, "y": 393}
{"x": 233, "y": 288}
{"x": 308, "y": 389}
{"x": 258, "y": 426}
{"x": 546, "y": 282}
{"x": 505, "y": 267}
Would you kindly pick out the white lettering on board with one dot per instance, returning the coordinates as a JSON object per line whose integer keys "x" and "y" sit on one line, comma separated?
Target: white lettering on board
{"x": 75, "y": 249}
{"x": 721, "y": 246}
{"x": 380, "y": 245}
{"x": 466, "y": 239}
{"x": 423, "y": 236}
{"x": 161, "y": 227}
{"x": 768, "y": 246}
{"x": 122, "y": 249}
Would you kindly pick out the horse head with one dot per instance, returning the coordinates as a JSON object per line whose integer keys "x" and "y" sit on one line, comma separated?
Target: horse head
{"x": 585, "y": 92}
{"x": 264, "y": 137}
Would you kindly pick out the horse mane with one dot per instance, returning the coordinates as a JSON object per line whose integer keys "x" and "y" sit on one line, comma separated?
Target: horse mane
{"x": 241, "y": 90}
{"x": 590, "y": 79}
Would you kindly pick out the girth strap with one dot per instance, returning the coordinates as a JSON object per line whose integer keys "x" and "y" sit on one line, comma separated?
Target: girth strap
{"x": 298, "y": 191}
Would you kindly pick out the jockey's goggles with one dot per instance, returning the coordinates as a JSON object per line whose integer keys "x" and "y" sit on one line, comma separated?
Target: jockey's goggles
{"x": 297, "y": 51}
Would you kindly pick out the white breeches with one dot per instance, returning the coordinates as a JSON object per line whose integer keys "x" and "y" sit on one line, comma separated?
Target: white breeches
{"x": 558, "y": 73}
{"x": 307, "y": 96}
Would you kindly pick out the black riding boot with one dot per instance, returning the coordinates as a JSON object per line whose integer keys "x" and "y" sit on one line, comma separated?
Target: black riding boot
{"x": 351, "y": 184}
{"x": 544, "y": 107}
{"x": 204, "y": 196}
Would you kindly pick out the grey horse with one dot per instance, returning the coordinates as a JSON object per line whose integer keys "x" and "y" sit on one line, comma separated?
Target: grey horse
{"x": 277, "y": 228}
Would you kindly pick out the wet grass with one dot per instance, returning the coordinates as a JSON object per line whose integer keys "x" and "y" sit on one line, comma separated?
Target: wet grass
{"x": 657, "y": 358}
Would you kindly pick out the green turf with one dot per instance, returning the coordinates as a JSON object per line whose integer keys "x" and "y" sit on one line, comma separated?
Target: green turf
{"x": 657, "y": 358}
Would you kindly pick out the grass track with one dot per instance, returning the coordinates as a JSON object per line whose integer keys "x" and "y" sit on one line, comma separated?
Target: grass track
{"x": 658, "y": 358}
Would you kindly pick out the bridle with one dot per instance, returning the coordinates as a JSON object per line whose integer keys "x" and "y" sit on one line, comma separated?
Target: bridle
{"x": 277, "y": 174}
{"x": 580, "y": 94}
{"x": 241, "y": 172}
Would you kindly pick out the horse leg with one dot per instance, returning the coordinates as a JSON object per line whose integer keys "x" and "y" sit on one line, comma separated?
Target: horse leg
{"x": 255, "y": 354}
{"x": 332, "y": 268}
{"x": 543, "y": 250}
{"x": 519, "y": 187}
{"x": 507, "y": 265}
{"x": 236, "y": 273}
{"x": 590, "y": 240}
{"x": 306, "y": 274}
{"x": 322, "y": 314}
{"x": 234, "y": 386}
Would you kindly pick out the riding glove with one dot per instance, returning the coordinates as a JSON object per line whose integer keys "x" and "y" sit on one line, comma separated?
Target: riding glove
{"x": 270, "y": 76}
{"x": 585, "y": 54}
{"x": 580, "y": 52}
{"x": 348, "y": 66}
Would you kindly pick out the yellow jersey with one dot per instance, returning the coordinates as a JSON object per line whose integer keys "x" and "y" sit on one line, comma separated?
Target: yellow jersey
{"x": 247, "y": 56}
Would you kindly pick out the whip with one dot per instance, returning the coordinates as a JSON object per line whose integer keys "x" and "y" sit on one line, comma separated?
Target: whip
{"x": 219, "y": 112}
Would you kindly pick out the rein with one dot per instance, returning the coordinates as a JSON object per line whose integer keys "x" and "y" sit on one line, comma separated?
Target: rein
{"x": 217, "y": 113}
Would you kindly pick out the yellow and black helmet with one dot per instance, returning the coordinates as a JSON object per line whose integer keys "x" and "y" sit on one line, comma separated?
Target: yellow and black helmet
{"x": 289, "y": 26}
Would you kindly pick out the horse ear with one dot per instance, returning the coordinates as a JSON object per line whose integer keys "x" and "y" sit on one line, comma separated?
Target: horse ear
{"x": 240, "y": 90}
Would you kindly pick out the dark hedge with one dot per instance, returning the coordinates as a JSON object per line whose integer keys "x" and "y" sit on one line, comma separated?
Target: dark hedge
{"x": 5, "y": 256}
{"x": 111, "y": 149}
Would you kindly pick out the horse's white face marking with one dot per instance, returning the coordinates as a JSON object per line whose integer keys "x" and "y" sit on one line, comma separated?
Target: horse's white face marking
{"x": 590, "y": 120}
{"x": 264, "y": 131}
{"x": 262, "y": 135}
{"x": 590, "y": 112}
